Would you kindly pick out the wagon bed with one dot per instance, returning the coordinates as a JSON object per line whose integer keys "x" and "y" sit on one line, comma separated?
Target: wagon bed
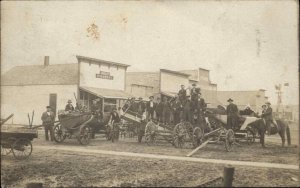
{"x": 17, "y": 140}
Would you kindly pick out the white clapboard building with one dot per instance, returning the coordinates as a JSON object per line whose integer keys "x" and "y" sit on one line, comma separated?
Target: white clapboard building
{"x": 28, "y": 88}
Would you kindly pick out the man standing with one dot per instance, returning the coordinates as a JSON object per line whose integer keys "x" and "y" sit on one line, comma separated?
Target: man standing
{"x": 69, "y": 106}
{"x": 177, "y": 110}
{"x": 201, "y": 107}
{"x": 194, "y": 98}
{"x": 182, "y": 94}
{"x": 150, "y": 106}
{"x": 141, "y": 106}
{"x": 166, "y": 111}
{"x": 232, "y": 115}
{"x": 159, "y": 110}
{"x": 48, "y": 118}
{"x": 187, "y": 110}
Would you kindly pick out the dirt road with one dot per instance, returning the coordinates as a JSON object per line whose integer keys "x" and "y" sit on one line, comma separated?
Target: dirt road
{"x": 128, "y": 163}
{"x": 168, "y": 157}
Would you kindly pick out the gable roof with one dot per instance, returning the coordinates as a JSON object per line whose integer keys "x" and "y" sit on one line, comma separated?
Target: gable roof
{"x": 57, "y": 74}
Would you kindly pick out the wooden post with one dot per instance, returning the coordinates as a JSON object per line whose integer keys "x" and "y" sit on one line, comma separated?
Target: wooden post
{"x": 34, "y": 185}
{"x": 199, "y": 147}
{"x": 228, "y": 176}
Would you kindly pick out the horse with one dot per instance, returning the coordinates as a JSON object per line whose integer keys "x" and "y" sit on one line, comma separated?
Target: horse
{"x": 282, "y": 129}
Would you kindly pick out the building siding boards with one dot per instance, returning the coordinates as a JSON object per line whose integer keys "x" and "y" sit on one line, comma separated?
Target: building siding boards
{"x": 89, "y": 70}
{"x": 142, "y": 84}
{"x": 21, "y": 100}
{"x": 170, "y": 82}
{"x": 243, "y": 98}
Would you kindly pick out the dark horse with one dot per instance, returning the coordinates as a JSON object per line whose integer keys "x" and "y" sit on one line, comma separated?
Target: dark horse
{"x": 281, "y": 129}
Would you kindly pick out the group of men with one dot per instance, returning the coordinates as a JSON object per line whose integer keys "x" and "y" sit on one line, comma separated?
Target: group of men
{"x": 182, "y": 107}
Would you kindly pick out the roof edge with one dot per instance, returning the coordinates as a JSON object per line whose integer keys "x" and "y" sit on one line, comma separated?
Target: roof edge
{"x": 101, "y": 61}
{"x": 175, "y": 72}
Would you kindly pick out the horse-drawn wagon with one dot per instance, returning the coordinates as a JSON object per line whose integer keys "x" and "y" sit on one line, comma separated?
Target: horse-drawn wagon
{"x": 17, "y": 140}
{"x": 73, "y": 124}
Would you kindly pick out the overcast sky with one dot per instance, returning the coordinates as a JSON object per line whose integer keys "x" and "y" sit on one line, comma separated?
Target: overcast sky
{"x": 247, "y": 45}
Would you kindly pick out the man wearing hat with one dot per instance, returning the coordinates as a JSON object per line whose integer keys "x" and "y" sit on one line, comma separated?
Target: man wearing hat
{"x": 232, "y": 115}
{"x": 69, "y": 106}
{"x": 201, "y": 107}
{"x": 194, "y": 98}
{"x": 150, "y": 107}
{"x": 182, "y": 94}
{"x": 268, "y": 117}
{"x": 159, "y": 110}
{"x": 264, "y": 107}
{"x": 48, "y": 118}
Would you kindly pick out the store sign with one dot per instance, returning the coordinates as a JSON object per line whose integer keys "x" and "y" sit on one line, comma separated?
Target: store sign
{"x": 104, "y": 75}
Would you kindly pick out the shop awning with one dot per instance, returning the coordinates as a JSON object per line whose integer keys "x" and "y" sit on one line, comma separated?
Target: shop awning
{"x": 107, "y": 93}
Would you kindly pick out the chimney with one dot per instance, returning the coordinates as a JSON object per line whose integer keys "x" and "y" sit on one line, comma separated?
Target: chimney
{"x": 46, "y": 61}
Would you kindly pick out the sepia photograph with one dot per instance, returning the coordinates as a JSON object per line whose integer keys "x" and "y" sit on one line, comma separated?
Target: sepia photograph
{"x": 149, "y": 93}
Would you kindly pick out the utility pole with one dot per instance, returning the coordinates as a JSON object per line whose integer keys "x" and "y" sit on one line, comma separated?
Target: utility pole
{"x": 279, "y": 97}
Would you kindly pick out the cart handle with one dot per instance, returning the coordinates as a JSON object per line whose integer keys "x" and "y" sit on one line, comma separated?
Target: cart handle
{"x": 5, "y": 120}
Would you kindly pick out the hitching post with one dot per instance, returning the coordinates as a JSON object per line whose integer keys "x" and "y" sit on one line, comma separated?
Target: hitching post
{"x": 34, "y": 185}
{"x": 228, "y": 176}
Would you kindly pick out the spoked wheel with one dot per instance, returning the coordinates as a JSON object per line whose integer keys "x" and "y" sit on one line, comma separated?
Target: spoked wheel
{"x": 59, "y": 136}
{"x": 180, "y": 133}
{"x": 22, "y": 148}
{"x": 85, "y": 135}
{"x": 197, "y": 136}
{"x": 150, "y": 133}
{"x": 5, "y": 150}
{"x": 229, "y": 140}
{"x": 250, "y": 136}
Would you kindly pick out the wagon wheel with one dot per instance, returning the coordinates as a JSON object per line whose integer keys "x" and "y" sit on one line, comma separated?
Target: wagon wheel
{"x": 85, "y": 135}
{"x": 21, "y": 148}
{"x": 197, "y": 136}
{"x": 59, "y": 136}
{"x": 229, "y": 139}
{"x": 150, "y": 133}
{"x": 5, "y": 151}
{"x": 179, "y": 135}
{"x": 250, "y": 136}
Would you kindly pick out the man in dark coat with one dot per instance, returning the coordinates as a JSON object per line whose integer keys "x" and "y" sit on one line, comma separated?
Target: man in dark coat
{"x": 232, "y": 115}
{"x": 150, "y": 107}
{"x": 48, "y": 118}
{"x": 187, "y": 113}
{"x": 194, "y": 97}
{"x": 141, "y": 106}
{"x": 201, "y": 107}
{"x": 182, "y": 94}
{"x": 177, "y": 110}
{"x": 159, "y": 110}
{"x": 166, "y": 111}
{"x": 133, "y": 105}
{"x": 69, "y": 106}
{"x": 268, "y": 117}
